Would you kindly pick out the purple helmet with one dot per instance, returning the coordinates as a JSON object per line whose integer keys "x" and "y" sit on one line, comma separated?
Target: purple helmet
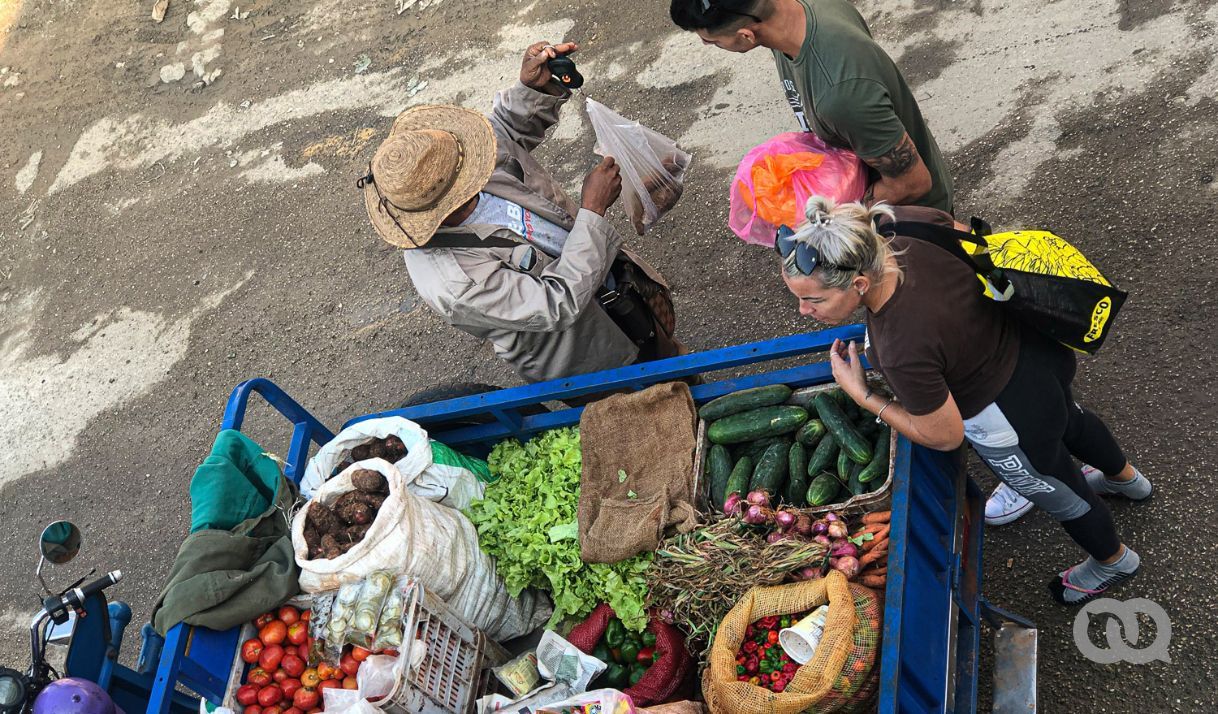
{"x": 74, "y": 696}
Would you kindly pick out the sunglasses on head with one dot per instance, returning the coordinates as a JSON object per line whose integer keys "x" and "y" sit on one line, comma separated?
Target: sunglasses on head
{"x": 803, "y": 256}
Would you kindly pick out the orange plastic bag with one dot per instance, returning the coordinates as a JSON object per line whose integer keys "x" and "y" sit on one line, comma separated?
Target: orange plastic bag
{"x": 775, "y": 180}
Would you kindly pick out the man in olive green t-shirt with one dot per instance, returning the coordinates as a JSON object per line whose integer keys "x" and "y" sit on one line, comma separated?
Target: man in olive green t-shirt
{"x": 841, "y": 85}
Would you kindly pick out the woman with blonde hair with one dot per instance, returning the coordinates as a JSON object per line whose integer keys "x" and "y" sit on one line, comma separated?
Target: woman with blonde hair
{"x": 959, "y": 368}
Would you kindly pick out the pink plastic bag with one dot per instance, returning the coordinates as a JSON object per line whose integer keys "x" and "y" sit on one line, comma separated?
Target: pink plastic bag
{"x": 776, "y": 178}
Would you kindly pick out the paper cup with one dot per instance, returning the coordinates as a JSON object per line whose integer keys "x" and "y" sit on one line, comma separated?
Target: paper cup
{"x": 799, "y": 641}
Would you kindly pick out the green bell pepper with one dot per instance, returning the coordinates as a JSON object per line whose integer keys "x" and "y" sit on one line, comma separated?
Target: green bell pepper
{"x": 615, "y": 633}
{"x": 630, "y": 652}
{"x": 636, "y": 673}
{"x": 649, "y": 639}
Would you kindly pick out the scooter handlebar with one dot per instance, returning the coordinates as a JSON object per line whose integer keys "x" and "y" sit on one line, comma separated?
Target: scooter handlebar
{"x": 76, "y": 596}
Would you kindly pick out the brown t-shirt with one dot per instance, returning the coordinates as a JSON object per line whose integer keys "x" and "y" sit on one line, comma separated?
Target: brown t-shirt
{"x": 937, "y": 333}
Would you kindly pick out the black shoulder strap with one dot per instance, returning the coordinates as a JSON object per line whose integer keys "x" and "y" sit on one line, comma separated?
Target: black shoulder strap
{"x": 468, "y": 240}
{"x": 949, "y": 240}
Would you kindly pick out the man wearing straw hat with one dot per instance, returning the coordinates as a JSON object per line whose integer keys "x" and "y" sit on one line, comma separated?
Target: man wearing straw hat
{"x": 495, "y": 247}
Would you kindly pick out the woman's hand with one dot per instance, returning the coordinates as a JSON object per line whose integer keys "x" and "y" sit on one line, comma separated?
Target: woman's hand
{"x": 533, "y": 70}
{"x": 848, "y": 369}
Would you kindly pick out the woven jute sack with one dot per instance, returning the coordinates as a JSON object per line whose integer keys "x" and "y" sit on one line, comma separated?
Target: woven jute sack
{"x": 839, "y": 670}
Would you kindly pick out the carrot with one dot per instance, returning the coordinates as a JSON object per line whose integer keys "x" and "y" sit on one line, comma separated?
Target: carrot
{"x": 873, "y": 555}
{"x": 873, "y": 581}
{"x": 872, "y": 529}
{"x": 877, "y": 538}
{"x": 876, "y": 571}
{"x": 877, "y": 517}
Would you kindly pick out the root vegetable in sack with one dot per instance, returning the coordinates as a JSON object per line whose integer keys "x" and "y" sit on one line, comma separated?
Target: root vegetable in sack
{"x": 332, "y": 530}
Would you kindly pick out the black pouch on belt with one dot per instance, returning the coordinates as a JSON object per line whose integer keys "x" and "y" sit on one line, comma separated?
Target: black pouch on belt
{"x": 629, "y": 312}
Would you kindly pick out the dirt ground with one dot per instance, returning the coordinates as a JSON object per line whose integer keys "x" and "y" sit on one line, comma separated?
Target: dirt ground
{"x": 178, "y": 213}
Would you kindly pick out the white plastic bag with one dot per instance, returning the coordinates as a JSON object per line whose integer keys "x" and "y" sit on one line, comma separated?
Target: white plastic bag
{"x": 434, "y": 545}
{"x": 652, "y": 165}
{"x": 428, "y": 468}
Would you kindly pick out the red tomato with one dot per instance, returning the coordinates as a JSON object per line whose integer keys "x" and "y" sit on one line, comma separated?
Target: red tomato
{"x": 350, "y": 683}
{"x": 289, "y": 615}
{"x": 325, "y": 670}
{"x": 359, "y": 654}
{"x": 247, "y": 695}
{"x": 252, "y": 709}
{"x": 348, "y": 665}
{"x": 391, "y": 652}
{"x": 330, "y": 684}
{"x": 292, "y": 710}
{"x": 250, "y": 649}
{"x": 279, "y": 676}
{"x": 645, "y": 655}
{"x": 309, "y": 678}
{"x": 270, "y": 695}
{"x": 289, "y": 687}
{"x": 258, "y": 677}
{"x": 273, "y": 633}
{"x": 298, "y": 632}
{"x": 273, "y": 710}
{"x": 264, "y": 619}
{"x": 293, "y": 665}
{"x": 314, "y": 710}
{"x": 270, "y": 658}
{"x": 306, "y": 698}
{"x": 306, "y": 616}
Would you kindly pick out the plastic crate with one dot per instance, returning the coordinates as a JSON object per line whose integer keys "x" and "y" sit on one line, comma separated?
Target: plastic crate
{"x": 453, "y": 671}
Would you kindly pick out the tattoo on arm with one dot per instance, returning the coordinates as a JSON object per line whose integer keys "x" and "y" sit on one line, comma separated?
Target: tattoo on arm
{"x": 902, "y": 158}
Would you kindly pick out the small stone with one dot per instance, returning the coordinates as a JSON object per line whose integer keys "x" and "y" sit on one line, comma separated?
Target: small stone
{"x": 171, "y": 73}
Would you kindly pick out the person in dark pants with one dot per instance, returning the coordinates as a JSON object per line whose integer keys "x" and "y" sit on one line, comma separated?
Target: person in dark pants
{"x": 960, "y": 368}
{"x": 841, "y": 85}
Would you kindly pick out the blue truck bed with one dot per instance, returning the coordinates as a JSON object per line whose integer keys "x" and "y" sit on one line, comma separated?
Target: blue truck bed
{"x": 933, "y": 609}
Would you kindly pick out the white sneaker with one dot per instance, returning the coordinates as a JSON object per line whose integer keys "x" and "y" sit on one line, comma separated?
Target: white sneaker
{"x": 1005, "y": 505}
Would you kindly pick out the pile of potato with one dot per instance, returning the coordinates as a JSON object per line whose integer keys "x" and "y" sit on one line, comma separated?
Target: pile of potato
{"x": 331, "y": 531}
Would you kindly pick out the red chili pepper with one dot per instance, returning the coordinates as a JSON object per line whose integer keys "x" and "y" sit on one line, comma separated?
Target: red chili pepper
{"x": 742, "y": 678}
{"x": 790, "y": 668}
{"x": 772, "y": 638}
{"x": 778, "y": 687}
{"x": 750, "y": 647}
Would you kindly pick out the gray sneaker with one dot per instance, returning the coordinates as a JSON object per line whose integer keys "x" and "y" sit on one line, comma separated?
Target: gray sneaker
{"x": 1138, "y": 489}
{"x": 1005, "y": 505}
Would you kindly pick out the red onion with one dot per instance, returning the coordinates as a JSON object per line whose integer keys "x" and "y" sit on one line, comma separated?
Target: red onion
{"x": 810, "y": 573}
{"x": 785, "y": 520}
{"x": 822, "y": 539}
{"x": 819, "y": 527}
{"x": 837, "y": 529}
{"x": 831, "y": 516}
{"x": 776, "y": 536}
{"x": 733, "y": 505}
{"x": 758, "y": 515}
{"x": 758, "y": 498}
{"x": 843, "y": 547}
{"x": 803, "y": 525}
{"x": 846, "y": 565}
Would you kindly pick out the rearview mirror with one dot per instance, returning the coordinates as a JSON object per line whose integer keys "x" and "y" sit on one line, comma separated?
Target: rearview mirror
{"x": 60, "y": 542}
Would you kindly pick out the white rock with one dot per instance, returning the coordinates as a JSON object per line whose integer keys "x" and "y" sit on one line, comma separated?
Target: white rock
{"x": 173, "y": 72}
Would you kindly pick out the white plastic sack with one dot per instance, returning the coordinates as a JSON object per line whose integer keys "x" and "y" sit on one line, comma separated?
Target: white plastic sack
{"x": 425, "y": 475}
{"x": 428, "y": 542}
{"x": 652, "y": 165}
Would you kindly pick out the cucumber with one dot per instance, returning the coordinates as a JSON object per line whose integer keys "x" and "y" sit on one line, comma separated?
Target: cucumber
{"x": 754, "y": 449}
{"x": 756, "y": 424}
{"x": 771, "y": 470}
{"x": 823, "y": 490}
{"x": 822, "y": 456}
{"x": 738, "y": 480}
{"x": 847, "y": 436}
{"x": 718, "y": 468}
{"x": 844, "y": 463}
{"x": 744, "y": 400}
{"x": 796, "y": 493}
{"x": 879, "y": 462}
{"x": 852, "y": 411}
{"x": 867, "y": 426}
{"x": 853, "y": 484}
{"x": 811, "y": 432}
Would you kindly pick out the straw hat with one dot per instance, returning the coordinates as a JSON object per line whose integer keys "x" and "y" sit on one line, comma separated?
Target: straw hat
{"x": 435, "y": 159}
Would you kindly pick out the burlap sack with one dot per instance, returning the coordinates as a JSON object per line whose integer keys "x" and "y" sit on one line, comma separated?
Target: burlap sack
{"x": 841, "y": 668}
{"x": 649, "y": 436}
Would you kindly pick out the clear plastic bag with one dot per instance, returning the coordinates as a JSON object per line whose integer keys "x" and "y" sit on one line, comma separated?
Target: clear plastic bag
{"x": 651, "y": 164}
{"x": 776, "y": 178}
{"x": 389, "y": 631}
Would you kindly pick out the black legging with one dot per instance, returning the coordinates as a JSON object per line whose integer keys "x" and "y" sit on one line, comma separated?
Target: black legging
{"x": 1051, "y": 427}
